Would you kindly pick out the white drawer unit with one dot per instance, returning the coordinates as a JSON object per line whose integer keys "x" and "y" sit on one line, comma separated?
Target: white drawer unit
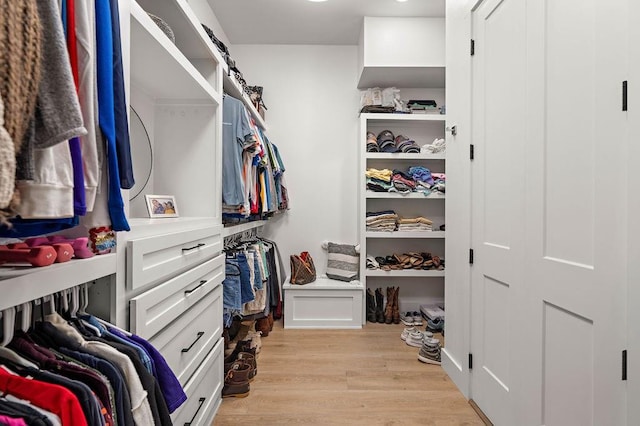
{"x": 204, "y": 391}
{"x": 324, "y": 303}
{"x": 150, "y": 259}
{"x": 157, "y": 308}
{"x": 188, "y": 339}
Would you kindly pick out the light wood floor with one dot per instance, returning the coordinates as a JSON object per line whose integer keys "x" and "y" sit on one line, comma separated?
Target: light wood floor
{"x": 346, "y": 377}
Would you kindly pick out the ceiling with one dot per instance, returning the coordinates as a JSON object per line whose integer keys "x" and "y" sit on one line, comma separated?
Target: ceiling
{"x": 305, "y": 22}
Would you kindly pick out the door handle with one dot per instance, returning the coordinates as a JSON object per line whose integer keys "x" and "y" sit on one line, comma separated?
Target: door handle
{"x": 453, "y": 130}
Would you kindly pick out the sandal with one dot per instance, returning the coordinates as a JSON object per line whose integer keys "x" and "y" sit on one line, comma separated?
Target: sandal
{"x": 416, "y": 260}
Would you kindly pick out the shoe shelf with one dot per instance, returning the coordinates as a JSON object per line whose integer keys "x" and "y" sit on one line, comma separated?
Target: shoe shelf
{"x": 419, "y": 195}
{"x": 405, "y": 234}
{"x": 402, "y": 156}
{"x": 30, "y": 283}
{"x": 177, "y": 78}
{"x": 404, "y": 273}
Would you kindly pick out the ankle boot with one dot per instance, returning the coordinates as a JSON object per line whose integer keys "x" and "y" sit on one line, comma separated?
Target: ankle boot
{"x": 250, "y": 360}
{"x": 379, "y": 306}
{"x": 388, "y": 309}
{"x": 263, "y": 325}
{"x": 236, "y": 382}
{"x": 396, "y": 310}
{"x": 371, "y": 306}
{"x": 270, "y": 319}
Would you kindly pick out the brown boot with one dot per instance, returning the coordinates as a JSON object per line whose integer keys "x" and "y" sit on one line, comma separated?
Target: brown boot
{"x": 379, "y": 306}
{"x": 263, "y": 325}
{"x": 388, "y": 309}
{"x": 270, "y": 318}
{"x": 249, "y": 359}
{"x": 236, "y": 382}
{"x": 396, "y": 310}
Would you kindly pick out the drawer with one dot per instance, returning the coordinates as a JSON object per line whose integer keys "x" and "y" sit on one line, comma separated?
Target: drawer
{"x": 159, "y": 257}
{"x": 188, "y": 339}
{"x": 155, "y": 309}
{"x": 204, "y": 391}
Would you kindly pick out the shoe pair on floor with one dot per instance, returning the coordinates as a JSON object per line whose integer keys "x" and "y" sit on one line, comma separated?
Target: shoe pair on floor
{"x": 240, "y": 368}
{"x": 430, "y": 349}
{"x": 411, "y": 318}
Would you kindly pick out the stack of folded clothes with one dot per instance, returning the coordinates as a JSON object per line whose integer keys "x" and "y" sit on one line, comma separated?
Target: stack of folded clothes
{"x": 403, "y": 182}
{"x": 438, "y": 146}
{"x": 379, "y": 180}
{"x": 382, "y": 221}
{"x": 415, "y": 224}
{"x": 439, "y": 182}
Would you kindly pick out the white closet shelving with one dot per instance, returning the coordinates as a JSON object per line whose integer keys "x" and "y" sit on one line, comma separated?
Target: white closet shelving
{"x": 416, "y": 286}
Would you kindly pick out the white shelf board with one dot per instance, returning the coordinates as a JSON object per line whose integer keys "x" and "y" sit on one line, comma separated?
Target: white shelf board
{"x": 402, "y": 77}
{"x": 23, "y": 284}
{"x": 403, "y": 273}
{"x": 405, "y": 234}
{"x": 233, "y": 88}
{"x": 236, "y": 229}
{"x": 397, "y": 195}
{"x": 187, "y": 29}
{"x": 160, "y": 69}
{"x": 403, "y": 117}
{"x": 402, "y": 156}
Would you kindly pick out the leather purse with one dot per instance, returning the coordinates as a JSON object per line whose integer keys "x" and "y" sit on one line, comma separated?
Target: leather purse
{"x": 303, "y": 271}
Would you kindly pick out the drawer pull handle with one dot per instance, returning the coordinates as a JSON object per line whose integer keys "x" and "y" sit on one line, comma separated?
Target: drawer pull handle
{"x": 193, "y": 248}
{"x": 200, "y": 334}
{"x": 188, "y": 292}
{"x": 201, "y": 401}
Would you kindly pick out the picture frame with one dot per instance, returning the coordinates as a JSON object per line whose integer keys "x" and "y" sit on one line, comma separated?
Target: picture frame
{"x": 161, "y": 206}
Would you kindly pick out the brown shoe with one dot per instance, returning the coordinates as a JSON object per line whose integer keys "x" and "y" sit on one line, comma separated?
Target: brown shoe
{"x": 236, "y": 382}
{"x": 249, "y": 359}
{"x": 388, "y": 309}
{"x": 270, "y": 318}
{"x": 396, "y": 310}
{"x": 262, "y": 325}
{"x": 379, "y": 306}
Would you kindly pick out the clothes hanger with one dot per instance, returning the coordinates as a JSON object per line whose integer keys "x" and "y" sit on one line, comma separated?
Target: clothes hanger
{"x": 75, "y": 296}
{"x": 25, "y": 323}
{"x": 8, "y": 322}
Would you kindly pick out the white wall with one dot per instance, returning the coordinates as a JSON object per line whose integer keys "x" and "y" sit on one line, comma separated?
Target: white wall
{"x": 313, "y": 119}
{"x": 404, "y": 42}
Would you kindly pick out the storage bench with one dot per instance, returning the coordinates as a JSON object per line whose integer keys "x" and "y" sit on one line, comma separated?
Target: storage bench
{"x": 324, "y": 303}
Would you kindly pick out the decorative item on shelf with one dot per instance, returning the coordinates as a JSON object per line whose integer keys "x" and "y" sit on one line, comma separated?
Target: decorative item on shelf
{"x": 303, "y": 270}
{"x": 162, "y": 206}
{"x": 163, "y": 26}
{"x": 255, "y": 94}
{"x": 103, "y": 239}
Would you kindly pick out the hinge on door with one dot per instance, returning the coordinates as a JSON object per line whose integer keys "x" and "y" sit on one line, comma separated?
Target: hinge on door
{"x": 472, "y": 153}
{"x": 624, "y": 95}
{"x": 624, "y": 365}
{"x": 470, "y": 361}
{"x": 473, "y": 47}
{"x": 471, "y": 256}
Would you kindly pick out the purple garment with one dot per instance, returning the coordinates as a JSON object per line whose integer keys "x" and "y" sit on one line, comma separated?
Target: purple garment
{"x": 171, "y": 388}
{"x": 79, "y": 196}
{"x": 11, "y": 421}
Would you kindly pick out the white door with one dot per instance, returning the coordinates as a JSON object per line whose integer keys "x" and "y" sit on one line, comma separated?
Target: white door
{"x": 633, "y": 304}
{"x": 550, "y": 211}
{"x": 576, "y": 213}
{"x": 497, "y": 186}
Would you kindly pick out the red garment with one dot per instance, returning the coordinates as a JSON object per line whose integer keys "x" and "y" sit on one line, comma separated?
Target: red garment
{"x": 53, "y": 398}
{"x": 72, "y": 45}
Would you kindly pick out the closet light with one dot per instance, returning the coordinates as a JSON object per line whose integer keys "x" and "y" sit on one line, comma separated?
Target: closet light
{"x": 317, "y": 1}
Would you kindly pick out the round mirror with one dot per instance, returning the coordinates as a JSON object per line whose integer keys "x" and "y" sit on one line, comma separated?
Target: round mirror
{"x": 141, "y": 154}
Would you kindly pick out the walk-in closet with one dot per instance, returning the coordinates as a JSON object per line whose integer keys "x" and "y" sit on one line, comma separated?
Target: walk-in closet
{"x": 331, "y": 212}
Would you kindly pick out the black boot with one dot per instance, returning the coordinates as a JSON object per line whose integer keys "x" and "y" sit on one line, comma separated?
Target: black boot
{"x": 379, "y": 306}
{"x": 371, "y": 306}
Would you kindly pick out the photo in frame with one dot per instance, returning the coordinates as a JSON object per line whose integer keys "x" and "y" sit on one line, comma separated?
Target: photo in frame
{"x": 162, "y": 205}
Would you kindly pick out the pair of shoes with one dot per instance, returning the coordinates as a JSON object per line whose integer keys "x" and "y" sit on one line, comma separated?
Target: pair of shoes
{"x": 416, "y": 338}
{"x": 411, "y": 318}
{"x": 435, "y": 325}
{"x": 236, "y": 381}
{"x": 265, "y": 325}
{"x": 430, "y": 351}
{"x": 391, "y": 311}
{"x": 406, "y": 332}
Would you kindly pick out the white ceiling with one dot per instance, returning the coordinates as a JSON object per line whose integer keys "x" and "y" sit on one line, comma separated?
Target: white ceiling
{"x": 305, "y": 22}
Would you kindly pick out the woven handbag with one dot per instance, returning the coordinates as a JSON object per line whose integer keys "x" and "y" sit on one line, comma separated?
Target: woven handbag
{"x": 303, "y": 271}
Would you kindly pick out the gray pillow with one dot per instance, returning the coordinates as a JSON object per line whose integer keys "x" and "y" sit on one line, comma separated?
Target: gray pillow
{"x": 343, "y": 262}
